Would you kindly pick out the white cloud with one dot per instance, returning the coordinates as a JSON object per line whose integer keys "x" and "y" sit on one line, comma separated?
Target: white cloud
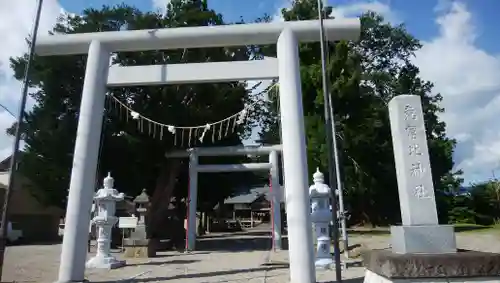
{"x": 463, "y": 73}
{"x": 353, "y": 9}
{"x": 356, "y": 8}
{"x": 16, "y": 20}
{"x": 467, "y": 77}
{"x": 277, "y": 16}
{"x": 260, "y": 86}
{"x": 161, "y": 5}
{"x": 6, "y": 143}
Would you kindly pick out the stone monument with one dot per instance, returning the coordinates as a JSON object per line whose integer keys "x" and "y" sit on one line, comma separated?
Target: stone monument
{"x": 321, "y": 216}
{"x": 105, "y": 219}
{"x": 139, "y": 245}
{"x": 420, "y": 232}
{"x": 422, "y": 250}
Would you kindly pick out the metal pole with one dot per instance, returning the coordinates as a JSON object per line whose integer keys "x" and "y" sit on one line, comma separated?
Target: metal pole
{"x": 339, "y": 188}
{"x": 331, "y": 149}
{"x": 192, "y": 201}
{"x": 339, "y": 191}
{"x": 17, "y": 138}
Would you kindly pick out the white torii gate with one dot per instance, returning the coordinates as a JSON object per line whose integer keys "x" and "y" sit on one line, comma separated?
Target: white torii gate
{"x": 195, "y": 168}
{"x": 98, "y": 75}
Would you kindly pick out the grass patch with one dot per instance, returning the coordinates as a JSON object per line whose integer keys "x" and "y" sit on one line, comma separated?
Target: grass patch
{"x": 368, "y": 231}
{"x": 474, "y": 228}
{"x": 459, "y": 228}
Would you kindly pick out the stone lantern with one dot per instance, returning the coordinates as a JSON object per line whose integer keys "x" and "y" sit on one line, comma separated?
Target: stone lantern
{"x": 138, "y": 245}
{"x": 321, "y": 216}
{"x": 141, "y": 206}
{"x": 105, "y": 204}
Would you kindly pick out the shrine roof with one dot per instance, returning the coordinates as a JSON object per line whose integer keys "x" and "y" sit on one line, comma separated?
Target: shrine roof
{"x": 244, "y": 198}
{"x": 250, "y": 195}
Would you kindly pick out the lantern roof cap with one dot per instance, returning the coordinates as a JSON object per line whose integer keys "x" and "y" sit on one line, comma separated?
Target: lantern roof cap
{"x": 319, "y": 188}
{"x": 142, "y": 198}
{"x": 318, "y": 177}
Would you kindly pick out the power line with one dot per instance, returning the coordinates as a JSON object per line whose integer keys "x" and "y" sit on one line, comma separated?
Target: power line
{"x": 17, "y": 137}
{"x": 7, "y": 110}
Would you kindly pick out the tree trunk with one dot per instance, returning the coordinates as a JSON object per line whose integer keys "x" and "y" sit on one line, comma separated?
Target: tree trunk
{"x": 160, "y": 201}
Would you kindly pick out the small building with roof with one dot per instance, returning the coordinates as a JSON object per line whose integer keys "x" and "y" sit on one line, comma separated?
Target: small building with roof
{"x": 252, "y": 206}
{"x": 38, "y": 222}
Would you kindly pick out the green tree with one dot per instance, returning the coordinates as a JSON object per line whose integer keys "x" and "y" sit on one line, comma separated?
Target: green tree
{"x": 134, "y": 156}
{"x": 364, "y": 76}
{"x": 483, "y": 201}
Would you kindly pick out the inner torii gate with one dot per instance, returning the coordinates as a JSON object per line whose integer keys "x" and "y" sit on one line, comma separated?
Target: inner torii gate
{"x": 194, "y": 168}
{"x": 99, "y": 75}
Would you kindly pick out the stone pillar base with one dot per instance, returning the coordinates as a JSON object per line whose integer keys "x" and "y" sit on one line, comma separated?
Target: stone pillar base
{"x": 84, "y": 281}
{"x": 428, "y": 239}
{"x": 104, "y": 262}
{"x": 384, "y": 266}
{"x": 324, "y": 263}
{"x": 371, "y": 277}
{"x": 139, "y": 248}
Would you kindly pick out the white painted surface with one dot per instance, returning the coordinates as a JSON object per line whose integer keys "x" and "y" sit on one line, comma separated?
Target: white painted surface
{"x": 411, "y": 155}
{"x": 233, "y": 167}
{"x": 371, "y": 277}
{"x": 276, "y": 196}
{"x": 4, "y": 178}
{"x": 294, "y": 151}
{"x": 225, "y": 151}
{"x": 82, "y": 182}
{"x": 190, "y": 73}
{"x": 197, "y": 37}
{"x": 127, "y": 222}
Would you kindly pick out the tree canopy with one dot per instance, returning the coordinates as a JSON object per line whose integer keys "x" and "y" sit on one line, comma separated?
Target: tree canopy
{"x": 135, "y": 158}
{"x": 363, "y": 75}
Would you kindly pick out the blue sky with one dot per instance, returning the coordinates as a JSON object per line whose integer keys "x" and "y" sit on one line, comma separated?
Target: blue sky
{"x": 460, "y": 55}
{"x": 418, "y": 15}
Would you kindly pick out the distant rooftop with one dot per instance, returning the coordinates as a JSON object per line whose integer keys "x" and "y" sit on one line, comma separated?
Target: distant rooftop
{"x": 5, "y": 164}
{"x": 249, "y": 196}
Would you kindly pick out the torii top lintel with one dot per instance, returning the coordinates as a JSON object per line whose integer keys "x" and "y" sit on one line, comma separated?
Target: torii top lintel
{"x": 197, "y": 37}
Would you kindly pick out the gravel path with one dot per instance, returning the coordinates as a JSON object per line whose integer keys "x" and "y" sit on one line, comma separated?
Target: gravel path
{"x": 222, "y": 258}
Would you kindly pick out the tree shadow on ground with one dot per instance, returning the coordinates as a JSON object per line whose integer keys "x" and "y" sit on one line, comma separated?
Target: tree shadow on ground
{"x": 200, "y": 275}
{"x": 239, "y": 233}
{"x": 373, "y": 232}
{"x": 26, "y": 242}
{"x": 183, "y": 252}
{"x": 238, "y": 244}
{"x": 387, "y": 230}
{"x": 471, "y": 227}
{"x": 351, "y": 247}
{"x": 352, "y": 280}
{"x": 175, "y": 261}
